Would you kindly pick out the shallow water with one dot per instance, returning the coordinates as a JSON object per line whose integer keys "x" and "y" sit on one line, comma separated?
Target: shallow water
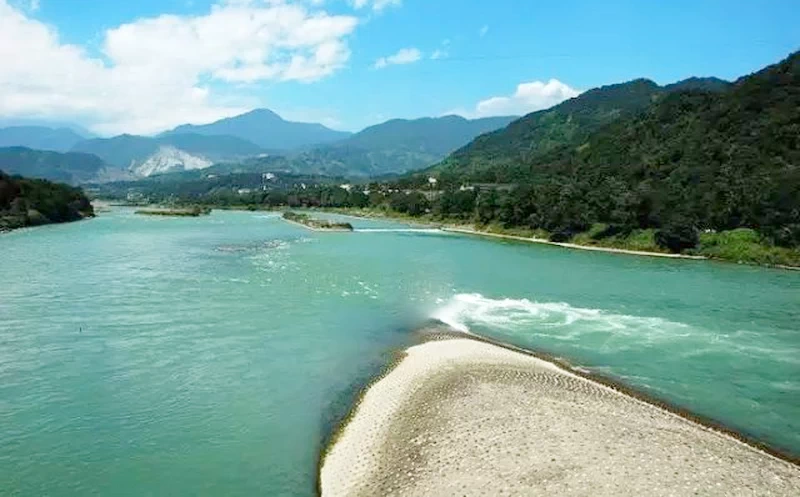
{"x": 209, "y": 356}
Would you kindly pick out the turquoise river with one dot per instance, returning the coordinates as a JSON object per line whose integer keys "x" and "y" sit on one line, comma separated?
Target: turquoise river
{"x": 144, "y": 356}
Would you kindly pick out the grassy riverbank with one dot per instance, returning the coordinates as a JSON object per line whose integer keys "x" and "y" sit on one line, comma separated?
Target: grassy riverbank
{"x": 742, "y": 246}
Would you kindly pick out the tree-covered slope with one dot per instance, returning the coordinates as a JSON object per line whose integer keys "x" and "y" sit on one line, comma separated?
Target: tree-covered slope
{"x": 30, "y": 202}
{"x": 267, "y": 130}
{"x": 570, "y": 122}
{"x": 710, "y": 160}
{"x": 39, "y": 137}
{"x": 692, "y": 161}
{"x": 70, "y": 167}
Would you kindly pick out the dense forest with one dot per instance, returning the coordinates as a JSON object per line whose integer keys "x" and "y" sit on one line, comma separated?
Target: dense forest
{"x": 31, "y": 202}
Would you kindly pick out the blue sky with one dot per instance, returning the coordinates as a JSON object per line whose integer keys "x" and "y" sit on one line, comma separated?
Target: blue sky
{"x": 148, "y": 65}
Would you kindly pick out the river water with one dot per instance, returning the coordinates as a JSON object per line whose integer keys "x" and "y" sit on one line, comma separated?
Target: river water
{"x": 211, "y": 356}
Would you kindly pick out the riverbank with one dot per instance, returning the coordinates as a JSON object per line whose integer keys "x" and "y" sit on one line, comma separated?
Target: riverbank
{"x": 611, "y": 250}
{"x": 457, "y": 416}
{"x": 737, "y": 246}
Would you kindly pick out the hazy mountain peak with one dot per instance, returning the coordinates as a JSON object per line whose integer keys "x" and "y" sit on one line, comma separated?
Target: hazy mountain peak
{"x": 39, "y": 137}
{"x": 266, "y": 129}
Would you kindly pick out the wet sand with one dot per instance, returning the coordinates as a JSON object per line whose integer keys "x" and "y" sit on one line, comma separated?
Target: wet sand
{"x": 462, "y": 417}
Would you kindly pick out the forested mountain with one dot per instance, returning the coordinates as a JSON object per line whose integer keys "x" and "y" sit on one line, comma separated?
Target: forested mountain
{"x": 266, "y": 129}
{"x": 692, "y": 160}
{"x": 70, "y": 167}
{"x": 29, "y": 202}
{"x": 701, "y": 84}
{"x": 569, "y": 123}
{"x": 39, "y": 137}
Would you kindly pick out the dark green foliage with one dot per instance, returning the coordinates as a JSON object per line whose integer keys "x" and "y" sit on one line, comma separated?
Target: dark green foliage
{"x": 29, "y": 202}
{"x": 569, "y": 123}
{"x": 70, "y": 167}
{"x": 414, "y": 203}
{"x": 678, "y": 235}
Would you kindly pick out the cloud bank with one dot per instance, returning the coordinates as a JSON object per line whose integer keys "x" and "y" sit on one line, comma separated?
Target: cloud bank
{"x": 529, "y": 97}
{"x": 155, "y": 73}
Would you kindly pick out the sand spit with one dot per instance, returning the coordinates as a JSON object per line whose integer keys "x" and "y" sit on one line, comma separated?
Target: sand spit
{"x": 463, "y": 417}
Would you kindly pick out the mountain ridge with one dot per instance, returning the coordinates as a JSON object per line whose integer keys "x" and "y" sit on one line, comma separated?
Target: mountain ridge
{"x": 40, "y": 137}
{"x": 266, "y": 129}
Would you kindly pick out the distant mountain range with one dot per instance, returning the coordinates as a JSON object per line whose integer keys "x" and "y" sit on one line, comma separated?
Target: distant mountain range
{"x": 137, "y": 154}
{"x": 261, "y": 140}
{"x": 40, "y": 137}
{"x": 395, "y": 146}
{"x": 265, "y": 129}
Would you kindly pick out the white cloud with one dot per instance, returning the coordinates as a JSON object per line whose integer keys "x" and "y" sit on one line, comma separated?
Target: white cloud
{"x": 403, "y": 56}
{"x": 482, "y": 32}
{"x": 158, "y": 72}
{"x": 529, "y": 97}
{"x": 376, "y": 5}
{"x": 439, "y": 54}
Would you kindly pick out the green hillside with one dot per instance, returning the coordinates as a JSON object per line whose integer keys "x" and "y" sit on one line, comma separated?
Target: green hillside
{"x": 691, "y": 164}
{"x": 70, "y": 167}
{"x": 567, "y": 124}
{"x": 30, "y": 202}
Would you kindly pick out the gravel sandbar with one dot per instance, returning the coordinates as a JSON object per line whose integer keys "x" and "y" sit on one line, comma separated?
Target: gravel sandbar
{"x": 463, "y": 417}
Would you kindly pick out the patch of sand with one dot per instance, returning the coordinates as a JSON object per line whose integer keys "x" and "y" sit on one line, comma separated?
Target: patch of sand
{"x": 463, "y": 417}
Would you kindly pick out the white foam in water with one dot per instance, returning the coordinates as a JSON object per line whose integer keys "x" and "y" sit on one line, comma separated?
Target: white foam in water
{"x": 523, "y": 315}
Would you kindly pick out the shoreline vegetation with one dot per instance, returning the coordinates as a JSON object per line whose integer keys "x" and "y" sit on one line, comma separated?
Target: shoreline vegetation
{"x": 741, "y": 246}
{"x": 196, "y": 211}
{"x": 27, "y": 202}
{"x": 311, "y": 223}
{"x": 463, "y": 415}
